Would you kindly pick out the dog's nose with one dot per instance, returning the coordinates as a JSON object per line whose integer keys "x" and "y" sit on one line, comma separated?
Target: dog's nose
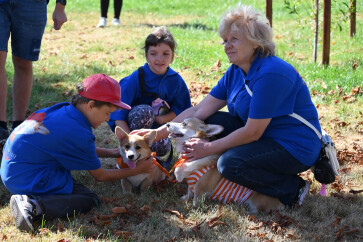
{"x": 130, "y": 157}
{"x": 168, "y": 125}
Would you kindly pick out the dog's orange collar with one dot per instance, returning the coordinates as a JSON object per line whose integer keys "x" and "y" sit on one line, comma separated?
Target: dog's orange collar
{"x": 178, "y": 163}
{"x": 123, "y": 165}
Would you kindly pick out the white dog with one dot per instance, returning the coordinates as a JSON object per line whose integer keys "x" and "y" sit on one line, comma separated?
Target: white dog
{"x": 202, "y": 175}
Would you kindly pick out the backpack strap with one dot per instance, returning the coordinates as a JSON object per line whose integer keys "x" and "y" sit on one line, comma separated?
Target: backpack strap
{"x": 142, "y": 84}
{"x": 294, "y": 115}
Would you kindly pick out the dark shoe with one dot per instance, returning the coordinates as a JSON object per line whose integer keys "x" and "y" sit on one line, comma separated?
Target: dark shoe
{"x": 4, "y": 133}
{"x": 304, "y": 187}
{"x": 23, "y": 211}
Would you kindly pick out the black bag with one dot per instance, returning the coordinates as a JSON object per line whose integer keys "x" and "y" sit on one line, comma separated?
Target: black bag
{"x": 323, "y": 170}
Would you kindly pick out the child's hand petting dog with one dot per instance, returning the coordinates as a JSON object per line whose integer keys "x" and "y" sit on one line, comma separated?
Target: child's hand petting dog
{"x": 145, "y": 165}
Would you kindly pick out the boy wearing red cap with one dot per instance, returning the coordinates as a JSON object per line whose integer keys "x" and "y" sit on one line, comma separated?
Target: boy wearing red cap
{"x": 41, "y": 152}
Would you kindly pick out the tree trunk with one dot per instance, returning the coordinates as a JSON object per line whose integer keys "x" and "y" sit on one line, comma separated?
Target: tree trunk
{"x": 352, "y": 16}
{"x": 326, "y": 32}
{"x": 269, "y": 11}
{"x": 316, "y": 30}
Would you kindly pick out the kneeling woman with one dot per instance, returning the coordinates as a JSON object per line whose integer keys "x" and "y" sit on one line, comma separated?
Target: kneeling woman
{"x": 263, "y": 148}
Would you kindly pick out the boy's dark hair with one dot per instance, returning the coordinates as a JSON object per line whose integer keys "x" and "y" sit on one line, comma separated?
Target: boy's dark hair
{"x": 78, "y": 99}
{"x": 158, "y": 36}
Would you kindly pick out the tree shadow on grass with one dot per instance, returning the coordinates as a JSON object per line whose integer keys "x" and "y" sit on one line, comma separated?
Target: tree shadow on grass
{"x": 185, "y": 25}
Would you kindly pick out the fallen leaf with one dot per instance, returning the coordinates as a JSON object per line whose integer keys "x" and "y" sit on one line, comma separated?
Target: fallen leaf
{"x": 145, "y": 208}
{"x": 174, "y": 212}
{"x": 119, "y": 210}
{"x": 60, "y": 227}
{"x": 107, "y": 217}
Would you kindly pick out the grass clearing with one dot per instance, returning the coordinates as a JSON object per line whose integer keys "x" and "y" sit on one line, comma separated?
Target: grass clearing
{"x": 80, "y": 50}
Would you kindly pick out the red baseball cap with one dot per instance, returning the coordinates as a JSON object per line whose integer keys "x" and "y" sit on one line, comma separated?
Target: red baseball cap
{"x": 103, "y": 88}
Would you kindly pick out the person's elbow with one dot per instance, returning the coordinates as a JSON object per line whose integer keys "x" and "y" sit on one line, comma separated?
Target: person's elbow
{"x": 99, "y": 175}
{"x": 254, "y": 135}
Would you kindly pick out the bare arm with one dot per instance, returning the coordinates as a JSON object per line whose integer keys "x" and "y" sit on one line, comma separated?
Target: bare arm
{"x": 59, "y": 16}
{"x": 165, "y": 118}
{"x": 107, "y": 153}
{"x": 208, "y": 106}
{"x": 143, "y": 166}
{"x": 252, "y": 131}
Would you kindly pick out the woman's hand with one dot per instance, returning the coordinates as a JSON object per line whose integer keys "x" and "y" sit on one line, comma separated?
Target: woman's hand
{"x": 196, "y": 148}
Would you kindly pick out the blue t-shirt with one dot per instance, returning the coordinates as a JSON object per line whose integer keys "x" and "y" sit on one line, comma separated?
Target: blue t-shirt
{"x": 39, "y": 164}
{"x": 169, "y": 87}
{"x": 278, "y": 90}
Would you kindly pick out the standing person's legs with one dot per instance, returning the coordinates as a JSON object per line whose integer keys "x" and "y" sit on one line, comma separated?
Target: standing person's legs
{"x": 117, "y": 5}
{"x": 28, "y": 23}
{"x": 104, "y": 8}
{"x": 22, "y": 87}
{"x": 4, "y": 133}
{"x": 5, "y": 26}
{"x": 264, "y": 166}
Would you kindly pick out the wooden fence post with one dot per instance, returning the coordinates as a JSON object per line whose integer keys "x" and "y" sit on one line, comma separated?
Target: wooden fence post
{"x": 326, "y": 32}
{"x": 352, "y": 16}
{"x": 269, "y": 11}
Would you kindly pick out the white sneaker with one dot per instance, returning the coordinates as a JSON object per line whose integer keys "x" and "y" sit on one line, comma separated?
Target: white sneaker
{"x": 23, "y": 211}
{"x": 116, "y": 22}
{"x": 102, "y": 23}
{"x": 303, "y": 191}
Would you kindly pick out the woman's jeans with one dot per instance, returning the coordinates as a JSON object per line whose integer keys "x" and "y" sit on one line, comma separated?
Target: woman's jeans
{"x": 263, "y": 166}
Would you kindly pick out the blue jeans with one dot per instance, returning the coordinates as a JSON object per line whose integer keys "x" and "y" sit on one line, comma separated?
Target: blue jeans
{"x": 25, "y": 20}
{"x": 263, "y": 166}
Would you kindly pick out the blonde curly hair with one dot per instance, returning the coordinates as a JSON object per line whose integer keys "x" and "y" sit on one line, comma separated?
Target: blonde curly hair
{"x": 255, "y": 27}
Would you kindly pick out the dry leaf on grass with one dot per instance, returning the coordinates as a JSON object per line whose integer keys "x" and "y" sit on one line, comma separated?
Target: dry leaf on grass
{"x": 145, "y": 208}
{"x": 119, "y": 210}
{"x": 174, "y": 212}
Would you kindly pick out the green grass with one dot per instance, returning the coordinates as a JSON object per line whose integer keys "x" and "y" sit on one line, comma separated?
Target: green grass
{"x": 79, "y": 50}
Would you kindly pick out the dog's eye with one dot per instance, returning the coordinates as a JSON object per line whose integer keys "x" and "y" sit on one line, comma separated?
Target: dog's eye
{"x": 127, "y": 147}
{"x": 137, "y": 147}
{"x": 184, "y": 124}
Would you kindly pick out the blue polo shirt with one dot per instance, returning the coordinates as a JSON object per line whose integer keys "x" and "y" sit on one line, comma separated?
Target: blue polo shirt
{"x": 39, "y": 164}
{"x": 169, "y": 87}
{"x": 278, "y": 90}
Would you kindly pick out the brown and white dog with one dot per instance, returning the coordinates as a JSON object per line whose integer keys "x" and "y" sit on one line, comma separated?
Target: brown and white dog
{"x": 202, "y": 175}
{"x": 134, "y": 148}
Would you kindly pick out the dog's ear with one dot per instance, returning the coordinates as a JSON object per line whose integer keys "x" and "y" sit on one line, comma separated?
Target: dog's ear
{"x": 120, "y": 133}
{"x": 150, "y": 137}
{"x": 213, "y": 129}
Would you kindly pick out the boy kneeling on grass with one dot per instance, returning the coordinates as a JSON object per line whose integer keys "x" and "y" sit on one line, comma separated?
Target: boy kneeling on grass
{"x": 39, "y": 155}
